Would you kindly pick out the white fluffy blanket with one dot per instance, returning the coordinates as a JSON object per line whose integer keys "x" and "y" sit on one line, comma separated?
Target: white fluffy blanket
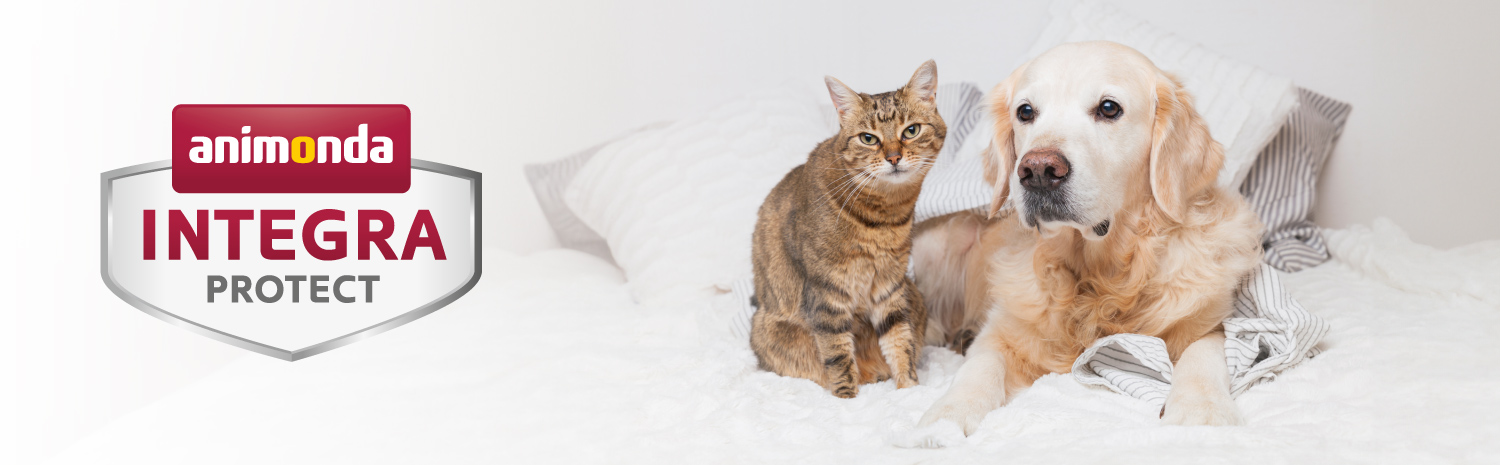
{"x": 548, "y": 361}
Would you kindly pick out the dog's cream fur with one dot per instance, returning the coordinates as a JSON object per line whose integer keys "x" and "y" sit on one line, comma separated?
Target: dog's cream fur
{"x": 1176, "y": 248}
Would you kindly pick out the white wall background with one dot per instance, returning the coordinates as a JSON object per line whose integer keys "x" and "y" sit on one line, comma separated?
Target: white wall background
{"x": 85, "y": 88}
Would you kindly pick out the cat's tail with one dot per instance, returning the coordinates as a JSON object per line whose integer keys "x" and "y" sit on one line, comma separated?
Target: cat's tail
{"x": 940, "y": 256}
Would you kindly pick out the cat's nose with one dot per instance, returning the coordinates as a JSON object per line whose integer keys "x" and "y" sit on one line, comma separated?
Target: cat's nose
{"x": 893, "y": 157}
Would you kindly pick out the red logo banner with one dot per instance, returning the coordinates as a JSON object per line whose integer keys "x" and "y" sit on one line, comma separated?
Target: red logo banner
{"x": 288, "y": 149}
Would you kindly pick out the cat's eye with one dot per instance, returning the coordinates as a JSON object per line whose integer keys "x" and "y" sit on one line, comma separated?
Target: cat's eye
{"x": 912, "y": 131}
{"x": 1109, "y": 109}
{"x": 1025, "y": 113}
{"x": 868, "y": 139}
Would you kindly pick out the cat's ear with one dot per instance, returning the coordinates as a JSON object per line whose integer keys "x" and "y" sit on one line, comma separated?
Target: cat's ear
{"x": 844, "y": 98}
{"x": 923, "y": 83}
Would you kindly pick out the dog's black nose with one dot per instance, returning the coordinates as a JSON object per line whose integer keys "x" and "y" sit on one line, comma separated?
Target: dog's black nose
{"x": 1043, "y": 170}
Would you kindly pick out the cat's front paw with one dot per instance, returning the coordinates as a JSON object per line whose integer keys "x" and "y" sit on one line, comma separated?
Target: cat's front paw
{"x": 966, "y": 413}
{"x": 846, "y": 391}
{"x": 1195, "y": 409}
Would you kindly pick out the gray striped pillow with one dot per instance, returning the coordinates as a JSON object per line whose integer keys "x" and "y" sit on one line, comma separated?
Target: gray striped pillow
{"x": 956, "y": 181}
{"x": 1282, "y": 184}
{"x": 550, "y": 179}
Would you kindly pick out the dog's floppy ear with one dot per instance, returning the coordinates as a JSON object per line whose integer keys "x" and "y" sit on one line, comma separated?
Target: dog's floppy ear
{"x": 1185, "y": 158}
{"x": 1000, "y": 158}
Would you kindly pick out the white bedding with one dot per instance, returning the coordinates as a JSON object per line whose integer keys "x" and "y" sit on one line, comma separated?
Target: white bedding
{"x": 548, "y": 360}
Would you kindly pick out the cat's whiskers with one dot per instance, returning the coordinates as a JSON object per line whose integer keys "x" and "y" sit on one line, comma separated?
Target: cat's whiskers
{"x": 868, "y": 176}
{"x": 852, "y": 173}
{"x": 849, "y": 180}
{"x": 921, "y": 165}
{"x": 849, "y": 188}
{"x": 844, "y": 187}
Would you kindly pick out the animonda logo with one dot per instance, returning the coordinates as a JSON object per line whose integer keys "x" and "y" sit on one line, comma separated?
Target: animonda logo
{"x": 301, "y": 149}
{"x": 290, "y": 230}
{"x": 291, "y": 149}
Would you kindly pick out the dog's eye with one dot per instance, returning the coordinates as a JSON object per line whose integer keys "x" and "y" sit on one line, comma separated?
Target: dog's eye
{"x": 868, "y": 139}
{"x": 912, "y": 131}
{"x": 1025, "y": 112}
{"x": 1109, "y": 109}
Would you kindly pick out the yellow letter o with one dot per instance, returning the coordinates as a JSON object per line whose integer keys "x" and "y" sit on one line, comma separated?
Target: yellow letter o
{"x": 312, "y": 149}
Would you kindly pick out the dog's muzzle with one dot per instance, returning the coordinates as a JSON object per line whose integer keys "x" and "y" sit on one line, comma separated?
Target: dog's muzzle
{"x": 1043, "y": 174}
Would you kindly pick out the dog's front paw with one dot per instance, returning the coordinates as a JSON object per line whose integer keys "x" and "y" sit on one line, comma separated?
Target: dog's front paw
{"x": 966, "y": 413}
{"x": 938, "y": 435}
{"x": 1192, "y": 409}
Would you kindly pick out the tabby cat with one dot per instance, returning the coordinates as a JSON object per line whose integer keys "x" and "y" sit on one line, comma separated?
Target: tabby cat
{"x": 833, "y": 239}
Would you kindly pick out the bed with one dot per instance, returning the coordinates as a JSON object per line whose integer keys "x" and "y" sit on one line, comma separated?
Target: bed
{"x": 552, "y": 361}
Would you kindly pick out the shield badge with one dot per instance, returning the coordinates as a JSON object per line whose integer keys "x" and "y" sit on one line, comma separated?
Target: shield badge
{"x": 290, "y": 275}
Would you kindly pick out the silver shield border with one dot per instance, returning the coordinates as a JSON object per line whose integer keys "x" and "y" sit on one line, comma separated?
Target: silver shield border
{"x": 105, "y": 223}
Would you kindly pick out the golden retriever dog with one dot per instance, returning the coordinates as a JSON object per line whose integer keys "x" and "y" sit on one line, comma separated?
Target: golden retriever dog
{"x": 1106, "y": 219}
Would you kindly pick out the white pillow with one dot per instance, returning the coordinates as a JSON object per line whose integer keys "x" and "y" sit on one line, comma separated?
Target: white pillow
{"x": 677, "y": 206}
{"x": 1243, "y": 105}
